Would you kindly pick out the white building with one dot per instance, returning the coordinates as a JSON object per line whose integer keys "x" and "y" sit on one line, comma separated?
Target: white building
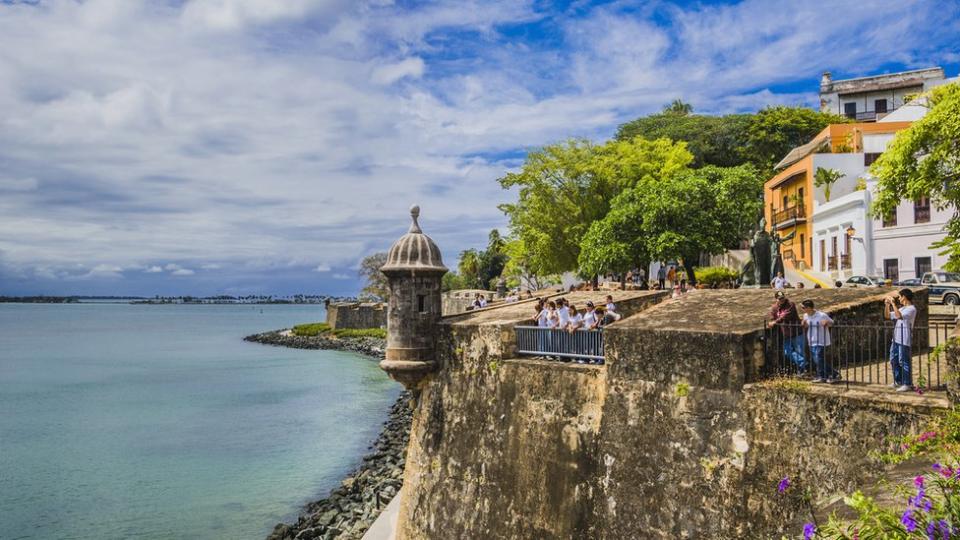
{"x": 848, "y": 241}
{"x": 869, "y": 99}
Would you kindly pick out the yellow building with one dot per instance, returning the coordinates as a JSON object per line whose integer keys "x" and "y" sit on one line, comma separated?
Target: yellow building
{"x": 789, "y": 197}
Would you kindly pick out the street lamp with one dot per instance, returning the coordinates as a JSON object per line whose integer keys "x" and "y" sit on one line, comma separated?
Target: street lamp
{"x": 851, "y": 232}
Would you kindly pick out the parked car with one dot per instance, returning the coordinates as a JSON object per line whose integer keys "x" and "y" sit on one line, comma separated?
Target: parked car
{"x": 864, "y": 281}
{"x": 912, "y": 282}
{"x": 944, "y": 287}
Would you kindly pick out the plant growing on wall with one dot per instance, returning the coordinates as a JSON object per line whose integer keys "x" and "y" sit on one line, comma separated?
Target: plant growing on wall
{"x": 825, "y": 178}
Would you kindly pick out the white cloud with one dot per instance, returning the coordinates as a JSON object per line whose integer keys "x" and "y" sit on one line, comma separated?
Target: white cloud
{"x": 239, "y": 132}
{"x": 182, "y": 272}
{"x": 390, "y": 73}
{"x": 153, "y": 270}
{"x": 342, "y": 276}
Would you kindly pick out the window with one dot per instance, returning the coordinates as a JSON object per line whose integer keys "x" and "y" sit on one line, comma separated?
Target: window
{"x": 850, "y": 110}
{"x": 891, "y": 220}
{"x": 870, "y": 157}
{"x": 922, "y": 265}
{"x": 880, "y": 105}
{"x": 891, "y": 269}
{"x": 421, "y": 303}
{"x": 800, "y": 196}
{"x": 785, "y": 200}
{"x": 846, "y": 244}
{"x": 803, "y": 251}
{"x": 921, "y": 210}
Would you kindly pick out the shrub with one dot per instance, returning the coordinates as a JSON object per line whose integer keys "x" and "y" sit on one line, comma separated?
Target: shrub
{"x": 360, "y": 333}
{"x": 715, "y": 277}
{"x": 312, "y": 329}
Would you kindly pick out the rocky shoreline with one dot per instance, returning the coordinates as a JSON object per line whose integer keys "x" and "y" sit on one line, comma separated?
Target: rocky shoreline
{"x": 352, "y": 507}
{"x": 369, "y": 346}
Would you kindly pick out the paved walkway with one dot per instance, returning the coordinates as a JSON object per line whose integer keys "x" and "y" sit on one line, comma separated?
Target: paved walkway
{"x": 385, "y": 527}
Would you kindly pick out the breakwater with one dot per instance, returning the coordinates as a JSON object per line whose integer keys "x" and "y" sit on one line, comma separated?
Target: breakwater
{"x": 352, "y": 507}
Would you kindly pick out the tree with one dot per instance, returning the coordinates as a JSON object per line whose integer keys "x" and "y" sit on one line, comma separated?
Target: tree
{"x": 924, "y": 161}
{"x": 774, "y": 131}
{"x": 451, "y": 281}
{"x": 376, "y": 283}
{"x": 469, "y": 268}
{"x": 518, "y": 269}
{"x": 565, "y": 188}
{"x": 713, "y": 140}
{"x": 697, "y": 211}
{"x": 492, "y": 260}
{"x": 677, "y": 106}
{"x": 825, "y": 178}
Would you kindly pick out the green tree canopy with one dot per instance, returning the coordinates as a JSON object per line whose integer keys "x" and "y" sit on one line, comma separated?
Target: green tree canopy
{"x": 924, "y": 161}
{"x": 713, "y": 140}
{"x": 565, "y": 188}
{"x": 698, "y": 211}
{"x": 774, "y": 131}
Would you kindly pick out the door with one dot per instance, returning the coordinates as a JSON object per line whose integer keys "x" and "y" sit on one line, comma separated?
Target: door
{"x": 891, "y": 269}
{"x": 823, "y": 255}
{"x": 850, "y": 110}
{"x": 880, "y": 106}
{"x": 922, "y": 265}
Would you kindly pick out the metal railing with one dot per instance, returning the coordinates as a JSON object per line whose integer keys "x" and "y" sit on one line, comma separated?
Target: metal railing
{"x": 536, "y": 341}
{"x": 794, "y": 212}
{"x": 859, "y": 354}
{"x": 832, "y": 262}
{"x": 845, "y": 262}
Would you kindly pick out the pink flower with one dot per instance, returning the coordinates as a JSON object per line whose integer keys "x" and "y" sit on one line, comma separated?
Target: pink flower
{"x": 918, "y": 481}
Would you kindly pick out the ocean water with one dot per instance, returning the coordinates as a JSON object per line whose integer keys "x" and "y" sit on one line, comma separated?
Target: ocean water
{"x": 138, "y": 421}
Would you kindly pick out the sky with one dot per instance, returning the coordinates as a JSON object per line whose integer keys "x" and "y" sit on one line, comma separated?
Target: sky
{"x": 265, "y": 146}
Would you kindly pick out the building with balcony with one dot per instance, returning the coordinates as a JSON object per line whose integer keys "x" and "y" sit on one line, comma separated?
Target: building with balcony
{"x": 789, "y": 199}
{"x": 869, "y": 99}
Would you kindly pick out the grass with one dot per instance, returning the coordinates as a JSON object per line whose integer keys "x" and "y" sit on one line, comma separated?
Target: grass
{"x": 316, "y": 329}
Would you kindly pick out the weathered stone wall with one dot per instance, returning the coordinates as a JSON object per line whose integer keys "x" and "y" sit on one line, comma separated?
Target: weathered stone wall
{"x": 668, "y": 439}
{"x": 356, "y": 315}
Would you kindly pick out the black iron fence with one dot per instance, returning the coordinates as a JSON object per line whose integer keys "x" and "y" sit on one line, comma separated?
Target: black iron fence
{"x": 859, "y": 354}
{"x": 579, "y": 344}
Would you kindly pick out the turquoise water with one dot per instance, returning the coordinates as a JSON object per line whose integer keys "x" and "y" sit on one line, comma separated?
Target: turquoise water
{"x": 138, "y": 421}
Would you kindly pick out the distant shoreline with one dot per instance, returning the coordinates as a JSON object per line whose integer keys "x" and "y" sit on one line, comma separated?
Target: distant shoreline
{"x": 352, "y": 507}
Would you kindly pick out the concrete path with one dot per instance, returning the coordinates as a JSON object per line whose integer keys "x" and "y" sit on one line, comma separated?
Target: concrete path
{"x": 385, "y": 527}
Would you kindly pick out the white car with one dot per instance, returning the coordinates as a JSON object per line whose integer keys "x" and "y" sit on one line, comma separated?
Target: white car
{"x": 864, "y": 281}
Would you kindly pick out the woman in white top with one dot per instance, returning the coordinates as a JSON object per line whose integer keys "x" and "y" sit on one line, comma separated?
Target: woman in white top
{"x": 575, "y": 320}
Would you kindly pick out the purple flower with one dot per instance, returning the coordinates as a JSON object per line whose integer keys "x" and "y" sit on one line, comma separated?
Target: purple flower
{"x": 783, "y": 485}
{"x": 908, "y": 521}
{"x": 809, "y": 530}
{"x": 918, "y": 481}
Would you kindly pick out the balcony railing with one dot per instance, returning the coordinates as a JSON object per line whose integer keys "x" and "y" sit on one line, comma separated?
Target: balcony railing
{"x": 831, "y": 263}
{"x": 868, "y": 116}
{"x": 536, "y": 341}
{"x": 845, "y": 261}
{"x": 795, "y": 213}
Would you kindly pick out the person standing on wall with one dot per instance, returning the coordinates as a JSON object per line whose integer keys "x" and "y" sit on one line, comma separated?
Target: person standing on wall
{"x": 818, "y": 326}
{"x": 901, "y": 310}
{"x": 662, "y": 276}
{"x": 783, "y": 315}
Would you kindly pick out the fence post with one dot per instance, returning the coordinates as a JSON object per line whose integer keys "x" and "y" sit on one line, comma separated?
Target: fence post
{"x": 952, "y": 354}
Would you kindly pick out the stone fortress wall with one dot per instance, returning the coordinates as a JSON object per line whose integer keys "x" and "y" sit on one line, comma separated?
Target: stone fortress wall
{"x": 356, "y": 315}
{"x": 676, "y": 436}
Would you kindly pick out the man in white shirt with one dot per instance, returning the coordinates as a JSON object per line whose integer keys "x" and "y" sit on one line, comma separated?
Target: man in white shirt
{"x": 817, "y": 325}
{"x": 902, "y": 311}
{"x": 779, "y": 282}
{"x": 563, "y": 312}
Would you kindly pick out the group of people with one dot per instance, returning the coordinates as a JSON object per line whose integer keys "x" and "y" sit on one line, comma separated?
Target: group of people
{"x": 563, "y": 315}
{"x": 813, "y": 331}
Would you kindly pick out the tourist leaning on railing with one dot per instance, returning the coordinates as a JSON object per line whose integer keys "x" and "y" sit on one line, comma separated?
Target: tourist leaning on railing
{"x": 901, "y": 310}
{"x": 817, "y": 324}
{"x": 783, "y": 315}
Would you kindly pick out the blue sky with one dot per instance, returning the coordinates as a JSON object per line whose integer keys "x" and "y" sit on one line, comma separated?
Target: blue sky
{"x": 264, "y": 146}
